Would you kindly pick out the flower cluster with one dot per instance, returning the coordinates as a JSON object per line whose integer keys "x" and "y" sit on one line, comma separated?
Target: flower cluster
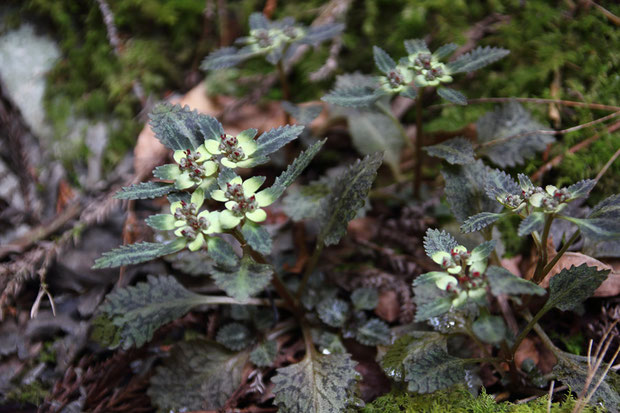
{"x": 429, "y": 71}
{"x": 195, "y": 167}
{"x": 548, "y": 200}
{"x": 264, "y": 40}
{"x": 233, "y": 151}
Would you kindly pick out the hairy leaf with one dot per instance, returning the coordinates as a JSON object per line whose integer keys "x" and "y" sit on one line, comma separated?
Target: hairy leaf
{"x": 503, "y": 281}
{"x": 257, "y": 237}
{"x": 330, "y": 342}
{"x": 227, "y": 57}
{"x": 159, "y": 221}
{"x": 234, "y": 336}
{"x": 454, "y": 151}
{"x": 383, "y": 60}
{"x": 221, "y": 252}
{"x": 479, "y": 221}
{"x": 176, "y": 127}
{"x": 500, "y": 184}
{"x": 303, "y": 114}
{"x": 476, "y": 59}
{"x": 137, "y": 253}
{"x": 414, "y": 46}
{"x": 483, "y": 250}
{"x": 139, "y": 311}
{"x": 356, "y": 80}
{"x": 373, "y": 332}
{"x": 265, "y": 353}
{"x": 445, "y": 50}
{"x": 435, "y": 370}
{"x": 515, "y": 135}
{"x": 167, "y": 172}
{"x": 317, "y": 384}
{"x": 452, "y": 95}
{"x": 374, "y": 132}
{"x": 198, "y": 375}
{"x": 243, "y": 281}
{"x": 433, "y": 308}
{"x": 365, "y": 298}
{"x": 257, "y": 20}
{"x": 489, "y": 328}
{"x": 435, "y": 241}
{"x": 533, "y": 222}
{"x": 333, "y": 311}
{"x": 274, "y": 139}
{"x": 318, "y": 34}
{"x": 348, "y": 195}
{"x": 407, "y": 349}
{"x": 355, "y": 97}
{"x": 581, "y": 189}
{"x": 145, "y": 190}
{"x": 573, "y": 285}
{"x": 608, "y": 208}
{"x": 304, "y": 202}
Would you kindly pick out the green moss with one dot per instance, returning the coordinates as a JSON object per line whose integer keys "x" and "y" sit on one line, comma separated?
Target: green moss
{"x": 33, "y": 393}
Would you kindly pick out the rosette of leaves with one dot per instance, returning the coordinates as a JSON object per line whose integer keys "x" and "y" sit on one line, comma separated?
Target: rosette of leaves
{"x": 275, "y": 40}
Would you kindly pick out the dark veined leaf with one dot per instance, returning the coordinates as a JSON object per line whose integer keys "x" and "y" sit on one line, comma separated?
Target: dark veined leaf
{"x": 159, "y": 221}
{"x": 227, "y": 57}
{"x": 409, "y": 92}
{"x": 258, "y": 20}
{"x": 221, "y": 252}
{"x": 500, "y": 184}
{"x": 318, "y": 34}
{"x": 176, "y": 127}
{"x": 274, "y": 139}
{"x": 607, "y": 208}
{"x": 364, "y": 298}
{"x": 435, "y": 241}
{"x": 265, "y": 353}
{"x": 524, "y": 182}
{"x": 598, "y": 229}
{"x": 145, "y": 190}
{"x": 533, "y": 222}
{"x": 476, "y": 59}
{"x": 166, "y": 172}
{"x": 139, "y": 311}
{"x": 383, "y": 61}
{"x": 347, "y": 196}
{"x": 303, "y": 114}
{"x": 573, "y": 285}
{"x": 407, "y": 349}
{"x": 243, "y": 281}
{"x": 333, "y": 311}
{"x": 317, "y": 384}
{"x": 445, "y": 50}
{"x": 198, "y": 375}
{"x": 303, "y": 202}
{"x": 373, "y": 132}
{"x": 479, "y": 221}
{"x": 433, "y": 309}
{"x": 483, "y": 250}
{"x": 373, "y": 332}
{"x": 414, "y": 46}
{"x": 257, "y": 237}
{"x": 355, "y": 80}
{"x": 454, "y": 151}
{"x": 330, "y": 342}
{"x": 434, "y": 370}
{"x": 581, "y": 189}
{"x": 137, "y": 253}
{"x": 355, "y": 97}
{"x": 234, "y": 336}
{"x": 515, "y": 135}
{"x": 503, "y": 281}
{"x": 105, "y": 332}
{"x": 452, "y": 95}
{"x": 489, "y": 328}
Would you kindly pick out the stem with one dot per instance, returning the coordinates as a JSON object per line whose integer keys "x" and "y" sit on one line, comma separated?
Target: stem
{"x": 538, "y": 274}
{"x": 286, "y": 92}
{"x": 418, "y": 144}
{"x": 310, "y": 349}
{"x": 528, "y": 327}
{"x": 218, "y": 299}
{"x": 561, "y": 252}
{"x": 596, "y": 106}
{"x": 485, "y": 351}
{"x": 387, "y": 112}
{"x": 314, "y": 259}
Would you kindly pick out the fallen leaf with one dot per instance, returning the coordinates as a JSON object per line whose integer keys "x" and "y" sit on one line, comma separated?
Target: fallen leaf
{"x": 388, "y": 307}
{"x": 527, "y": 350}
{"x": 512, "y": 264}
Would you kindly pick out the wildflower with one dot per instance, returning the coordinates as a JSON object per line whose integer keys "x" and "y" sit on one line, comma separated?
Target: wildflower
{"x": 241, "y": 200}
{"x": 194, "y": 167}
{"x": 236, "y": 151}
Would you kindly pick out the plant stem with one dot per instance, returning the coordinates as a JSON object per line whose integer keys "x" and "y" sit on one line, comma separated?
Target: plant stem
{"x": 532, "y": 322}
{"x": 418, "y": 144}
{"x": 217, "y": 299}
{"x": 561, "y": 252}
{"x": 538, "y": 274}
{"x": 387, "y": 112}
{"x": 314, "y": 259}
{"x": 485, "y": 351}
{"x": 310, "y": 349}
{"x": 286, "y": 92}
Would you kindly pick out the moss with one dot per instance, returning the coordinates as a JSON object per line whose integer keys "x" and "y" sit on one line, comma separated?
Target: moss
{"x": 33, "y": 393}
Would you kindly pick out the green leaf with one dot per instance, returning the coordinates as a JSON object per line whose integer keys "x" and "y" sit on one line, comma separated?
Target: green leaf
{"x": 454, "y": 151}
{"x": 479, "y": 221}
{"x": 330, "y": 342}
{"x": 221, "y": 252}
{"x": 476, "y": 59}
{"x": 383, "y": 60}
{"x": 409, "y": 92}
{"x": 598, "y": 229}
{"x": 139, "y": 311}
{"x": 257, "y": 20}
{"x": 227, "y": 57}
{"x": 257, "y": 237}
{"x": 445, "y": 50}
{"x": 105, "y": 332}
{"x": 145, "y": 190}
{"x": 333, "y": 311}
{"x": 434, "y": 370}
{"x": 573, "y": 285}
{"x": 581, "y": 189}
{"x": 348, "y": 195}
{"x": 452, "y": 95}
{"x": 162, "y": 222}
{"x": 317, "y": 384}
{"x": 373, "y": 332}
{"x": 264, "y": 354}
{"x": 489, "y": 328}
{"x": 303, "y": 202}
{"x": 243, "y": 281}
{"x": 608, "y": 208}
{"x": 483, "y": 250}
{"x": 433, "y": 309}
{"x": 137, "y": 253}
{"x": 499, "y": 184}
{"x": 435, "y": 241}
{"x": 274, "y": 139}
{"x": 503, "y": 281}
{"x": 198, "y": 375}
{"x": 355, "y": 97}
{"x": 167, "y": 172}
{"x": 414, "y": 46}
{"x": 533, "y": 222}
{"x": 234, "y": 336}
{"x": 303, "y": 114}
{"x": 407, "y": 349}
{"x": 365, "y": 298}
{"x": 374, "y": 132}
{"x": 176, "y": 127}
{"x": 318, "y": 34}
{"x": 512, "y": 122}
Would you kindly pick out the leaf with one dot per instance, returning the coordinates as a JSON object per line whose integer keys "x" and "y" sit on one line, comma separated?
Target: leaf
{"x": 581, "y": 189}
{"x": 465, "y": 189}
{"x": 139, "y": 311}
{"x": 452, "y": 95}
{"x": 333, "y": 311}
{"x": 257, "y": 237}
{"x": 433, "y": 309}
{"x": 533, "y": 222}
{"x": 499, "y": 184}
{"x": 137, "y": 253}
{"x": 227, "y": 57}
{"x": 598, "y": 229}
{"x": 374, "y": 132}
{"x": 198, "y": 375}
{"x": 489, "y": 328}
{"x": 483, "y": 250}
{"x": 435, "y": 241}
{"x": 145, "y": 190}
{"x": 365, "y": 298}
{"x": 330, "y": 342}
{"x": 572, "y": 286}
{"x": 318, "y": 34}
{"x": 607, "y": 208}
{"x": 435, "y": 370}
{"x": 274, "y": 139}
{"x": 221, "y": 252}
{"x": 234, "y": 336}
{"x": 348, "y": 195}
{"x": 257, "y": 20}
{"x": 383, "y": 61}
{"x": 407, "y": 349}
{"x": 512, "y": 122}
{"x": 476, "y": 59}
{"x": 243, "y": 281}
{"x": 304, "y": 202}
{"x": 317, "y": 384}
{"x": 167, "y": 172}
{"x": 503, "y": 281}
{"x": 159, "y": 221}
{"x": 479, "y": 221}
{"x": 414, "y": 46}
{"x": 303, "y": 114}
{"x": 373, "y": 332}
{"x": 445, "y": 50}
{"x": 455, "y": 151}
{"x": 355, "y": 97}
{"x": 265, "y": 353}
{"x": 176, "y": 127}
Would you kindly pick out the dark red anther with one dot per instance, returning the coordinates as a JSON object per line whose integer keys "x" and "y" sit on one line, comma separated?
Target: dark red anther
{"x": 197, "y": 171}
{"x": 183, "y": 203}
{"x": 475, "y": 274}
{"x": 449, "y": 287}
{"x": 222, "y": 136}
{"x": 444, "y": 263}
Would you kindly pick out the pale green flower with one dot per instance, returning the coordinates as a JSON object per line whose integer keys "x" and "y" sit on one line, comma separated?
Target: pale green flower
{"x": 236, "y": 151}
{"x": 194, "y": 167}
{"x": 397, "y": 79}
{"x": 429, "y": 70}
{"x": 241, "y": 201}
